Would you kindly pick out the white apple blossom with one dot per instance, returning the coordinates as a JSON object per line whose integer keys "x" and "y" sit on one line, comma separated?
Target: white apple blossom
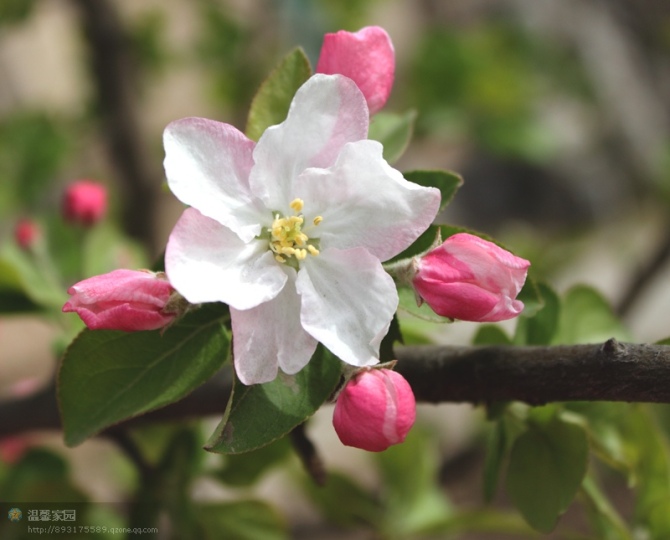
{"x": 290, "y": 232}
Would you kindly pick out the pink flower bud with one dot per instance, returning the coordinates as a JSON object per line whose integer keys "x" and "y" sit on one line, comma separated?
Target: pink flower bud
{"x": 84, "y": 202}
{"x": 471, "y": 279}
{"x": 12, "y": 449}
{"x": 127, "y": 300}
{"x": 375, "y": 410}
{"x": 366, "y": 57}
{"x": 26, "y": 233}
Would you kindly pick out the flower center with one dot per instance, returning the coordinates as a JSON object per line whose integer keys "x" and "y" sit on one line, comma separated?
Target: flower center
{"x": 288, "y": 241}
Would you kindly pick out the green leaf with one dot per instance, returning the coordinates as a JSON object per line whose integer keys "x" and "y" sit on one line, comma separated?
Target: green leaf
{"x": 496, "y": 451}
{"x": 108, "y": 376}
{"x": 271, "y": 103}
{"x": 259, "y": 414}
{"x": 246, "y": 469}
{"x": 21, "y": 273}
{"x": 40, "y": 475}
{"x": 241, "y": 520}
{"x": 547, "y": 465}
{"x": 607, "y": 520}
{"x": 537, "y": 326}
{"x": 414, "y": 501}
{"x": 394, "y": 131}
{"x": 343, "y": 502}
{"x": 649, "y": 450}
{"x": 106, "y": 249}
{"x": 491, "y": 334}
{"x": 13, "y": 301}
{"x": 586, "y": 317}
{"x": 446, "y": 181}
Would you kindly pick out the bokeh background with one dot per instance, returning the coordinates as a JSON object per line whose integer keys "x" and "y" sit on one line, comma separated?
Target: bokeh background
{"x": 556, "y": 114}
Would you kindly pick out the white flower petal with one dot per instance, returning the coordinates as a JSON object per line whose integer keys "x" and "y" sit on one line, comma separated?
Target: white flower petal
{"x": 327, "y": 112}
{"x": 207, "y": 164}
{"x": 365, "y": 202}
{"x": 270, "y": 336}
{"x": 348, "y": 301}
{"x": 207, "y": 262}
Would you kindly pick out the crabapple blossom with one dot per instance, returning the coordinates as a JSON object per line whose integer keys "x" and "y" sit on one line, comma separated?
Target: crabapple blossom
{"x": 367, "y": 57}
{"x": 375, "y": 410}
{"x": 471, "y": 279}
{"x": 290, "y": 232}
{"x": 84, "y": 202}
{"x": 128, "y": 300}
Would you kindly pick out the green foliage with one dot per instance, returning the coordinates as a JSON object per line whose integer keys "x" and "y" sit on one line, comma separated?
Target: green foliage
{"x": 15, "y": 11}
{"x": 28, "y": 282}
{"x": 345, "y": 503}
{"x": 271, "y": 103}
{"x": 246, "y": 469}
{"x": 413, "y": 500}
{"x": 447, "y": 182}
{"x": 482, "y": 82}
{"x": 106, "y": 248}
{"x": 259, "y": 414}
{"x": 547, "y": 465}
{"x": 586, "y": 317}
{"x": 394, "y": 131}
{"x": 148, "y": 39}
{"x": 223, "y": 49}
{"x": 34, "y": 146}
{"x": 40, "y": 475}
{"x": 108, "y": 376}
{"x": 538, "y": 323}
{"x": 242, "y": 520}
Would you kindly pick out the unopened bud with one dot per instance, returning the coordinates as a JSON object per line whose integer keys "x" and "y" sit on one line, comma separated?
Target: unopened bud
{"x": 84, "y": 202}
{"x": 470, "y": 279}
{"x": 128, "y": 300}
{"x": 375, "y": 410}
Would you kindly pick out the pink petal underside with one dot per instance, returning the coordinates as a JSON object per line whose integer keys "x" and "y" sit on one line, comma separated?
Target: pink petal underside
{"x": 367, "y": 57}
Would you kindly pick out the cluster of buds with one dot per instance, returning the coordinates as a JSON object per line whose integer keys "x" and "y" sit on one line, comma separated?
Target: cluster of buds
{"x": 84, "y": 203}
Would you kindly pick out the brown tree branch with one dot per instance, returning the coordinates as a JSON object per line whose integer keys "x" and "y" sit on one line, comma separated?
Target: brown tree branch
{"x": 611, "y": 371}
{"x": 116, "y": 85}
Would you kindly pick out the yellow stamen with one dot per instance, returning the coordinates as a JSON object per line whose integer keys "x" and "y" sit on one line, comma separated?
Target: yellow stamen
{"x": 297, "y": 204}
{"x": 287, "y": 241}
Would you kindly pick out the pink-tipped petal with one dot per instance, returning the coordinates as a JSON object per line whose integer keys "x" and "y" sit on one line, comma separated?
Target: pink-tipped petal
{"x": 127, "y": 300}
{"x": 367, "y": 57}
{"x": 471, "y": 279}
